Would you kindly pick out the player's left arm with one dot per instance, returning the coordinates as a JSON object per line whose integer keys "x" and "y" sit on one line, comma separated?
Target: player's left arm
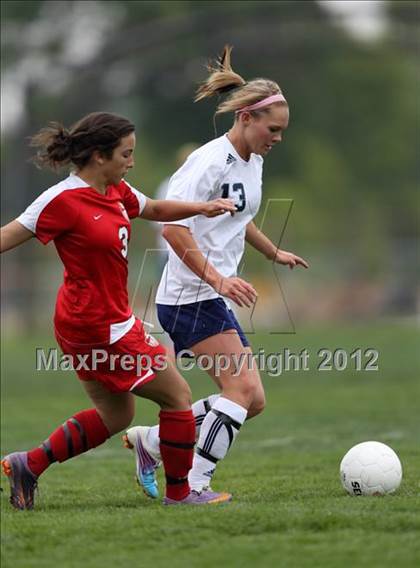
{"x": 170, "y": 210}
{"x": 262, "y": 243}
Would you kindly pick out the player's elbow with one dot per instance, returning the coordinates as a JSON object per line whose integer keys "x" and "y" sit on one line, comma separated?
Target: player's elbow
{"x": 166, "y": 232}
{"x": 171, "y": 233}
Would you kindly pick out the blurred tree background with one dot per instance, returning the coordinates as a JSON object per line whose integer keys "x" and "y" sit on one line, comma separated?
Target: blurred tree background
{"x": 349, "y": 160}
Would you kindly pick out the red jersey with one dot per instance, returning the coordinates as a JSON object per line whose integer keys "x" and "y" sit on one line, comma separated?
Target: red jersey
{"x": 91, "y": 233}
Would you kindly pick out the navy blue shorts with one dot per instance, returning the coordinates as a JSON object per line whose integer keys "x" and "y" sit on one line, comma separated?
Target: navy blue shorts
{"x": 191, "y": 323}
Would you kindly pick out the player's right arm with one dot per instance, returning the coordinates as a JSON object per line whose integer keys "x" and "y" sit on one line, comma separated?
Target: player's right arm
{"x": 184, "y": 245}
{"x": 12, "y": 235}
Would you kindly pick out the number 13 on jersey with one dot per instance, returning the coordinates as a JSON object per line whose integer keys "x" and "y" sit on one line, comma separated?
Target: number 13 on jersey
{"x": 237, "y": 194}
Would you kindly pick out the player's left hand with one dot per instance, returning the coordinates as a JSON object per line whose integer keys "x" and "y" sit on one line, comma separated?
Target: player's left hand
{"x": 218, "y": 207}
{"x": 289, "y": 259}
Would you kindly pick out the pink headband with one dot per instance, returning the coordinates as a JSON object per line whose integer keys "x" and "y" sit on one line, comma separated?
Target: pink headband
{"x": 265, "y": 102}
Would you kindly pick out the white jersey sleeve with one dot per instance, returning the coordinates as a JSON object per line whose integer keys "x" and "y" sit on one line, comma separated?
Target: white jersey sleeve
{"x": 198, "y": 179}
{"x": 53, "y": 212}
{"x": 134, "y": 200}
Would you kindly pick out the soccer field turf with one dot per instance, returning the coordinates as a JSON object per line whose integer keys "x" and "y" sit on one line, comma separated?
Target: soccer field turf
{"x": 289, "y": 508}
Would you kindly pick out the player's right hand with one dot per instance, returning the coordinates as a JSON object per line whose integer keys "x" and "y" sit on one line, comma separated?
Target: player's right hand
{"x": 239, "y": 291}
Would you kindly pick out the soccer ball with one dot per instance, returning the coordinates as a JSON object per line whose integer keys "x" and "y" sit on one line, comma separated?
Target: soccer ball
{"x": 370, "y": 468}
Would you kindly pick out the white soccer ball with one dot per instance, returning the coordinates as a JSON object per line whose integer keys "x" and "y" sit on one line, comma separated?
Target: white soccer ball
{"x": 370, "y": 468}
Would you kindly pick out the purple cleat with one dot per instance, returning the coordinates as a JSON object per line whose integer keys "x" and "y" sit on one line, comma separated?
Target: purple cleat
{"x": 206, "y": 497}
{"x": 22, "y": 481}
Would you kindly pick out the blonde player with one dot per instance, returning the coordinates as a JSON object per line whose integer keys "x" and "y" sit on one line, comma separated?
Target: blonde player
{"x": 200, "y": 277}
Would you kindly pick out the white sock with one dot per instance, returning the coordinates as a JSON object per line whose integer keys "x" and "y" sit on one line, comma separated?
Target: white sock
{"x": 200, "y": 409}
{"x": 218, "y": 431}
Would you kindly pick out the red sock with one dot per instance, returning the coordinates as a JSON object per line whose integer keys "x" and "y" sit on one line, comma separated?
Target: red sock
{"x": 78, "y": 434}
{"x": 177, "y": 439}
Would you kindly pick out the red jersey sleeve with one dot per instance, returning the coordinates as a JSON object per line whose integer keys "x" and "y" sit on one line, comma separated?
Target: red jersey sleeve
{"x": 50, "y": 215}
{"x": 133, "y": 200}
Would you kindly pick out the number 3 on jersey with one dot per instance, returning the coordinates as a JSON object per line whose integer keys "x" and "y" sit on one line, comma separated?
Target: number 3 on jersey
{"x": 238, "y": 195}
{"x": 123, "y": 236}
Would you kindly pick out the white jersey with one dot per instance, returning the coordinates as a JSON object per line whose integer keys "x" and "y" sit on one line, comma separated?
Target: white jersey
{"x": 214, "y": 170}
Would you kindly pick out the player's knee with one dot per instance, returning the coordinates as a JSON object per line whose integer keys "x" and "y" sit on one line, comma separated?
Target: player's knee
{"x": 118, "y": 421}
{"x": 246, "y": 390}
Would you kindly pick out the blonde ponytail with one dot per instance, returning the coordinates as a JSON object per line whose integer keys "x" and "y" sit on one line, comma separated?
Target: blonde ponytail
{"x": 223, "y": 79}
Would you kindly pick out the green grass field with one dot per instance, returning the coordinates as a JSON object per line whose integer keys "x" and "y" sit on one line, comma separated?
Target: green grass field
{"x": 289, "y": 508}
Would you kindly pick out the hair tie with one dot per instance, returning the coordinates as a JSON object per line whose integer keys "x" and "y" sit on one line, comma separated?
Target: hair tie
{"x": 228, "y": 88}
{"x": 64, "y": 136}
